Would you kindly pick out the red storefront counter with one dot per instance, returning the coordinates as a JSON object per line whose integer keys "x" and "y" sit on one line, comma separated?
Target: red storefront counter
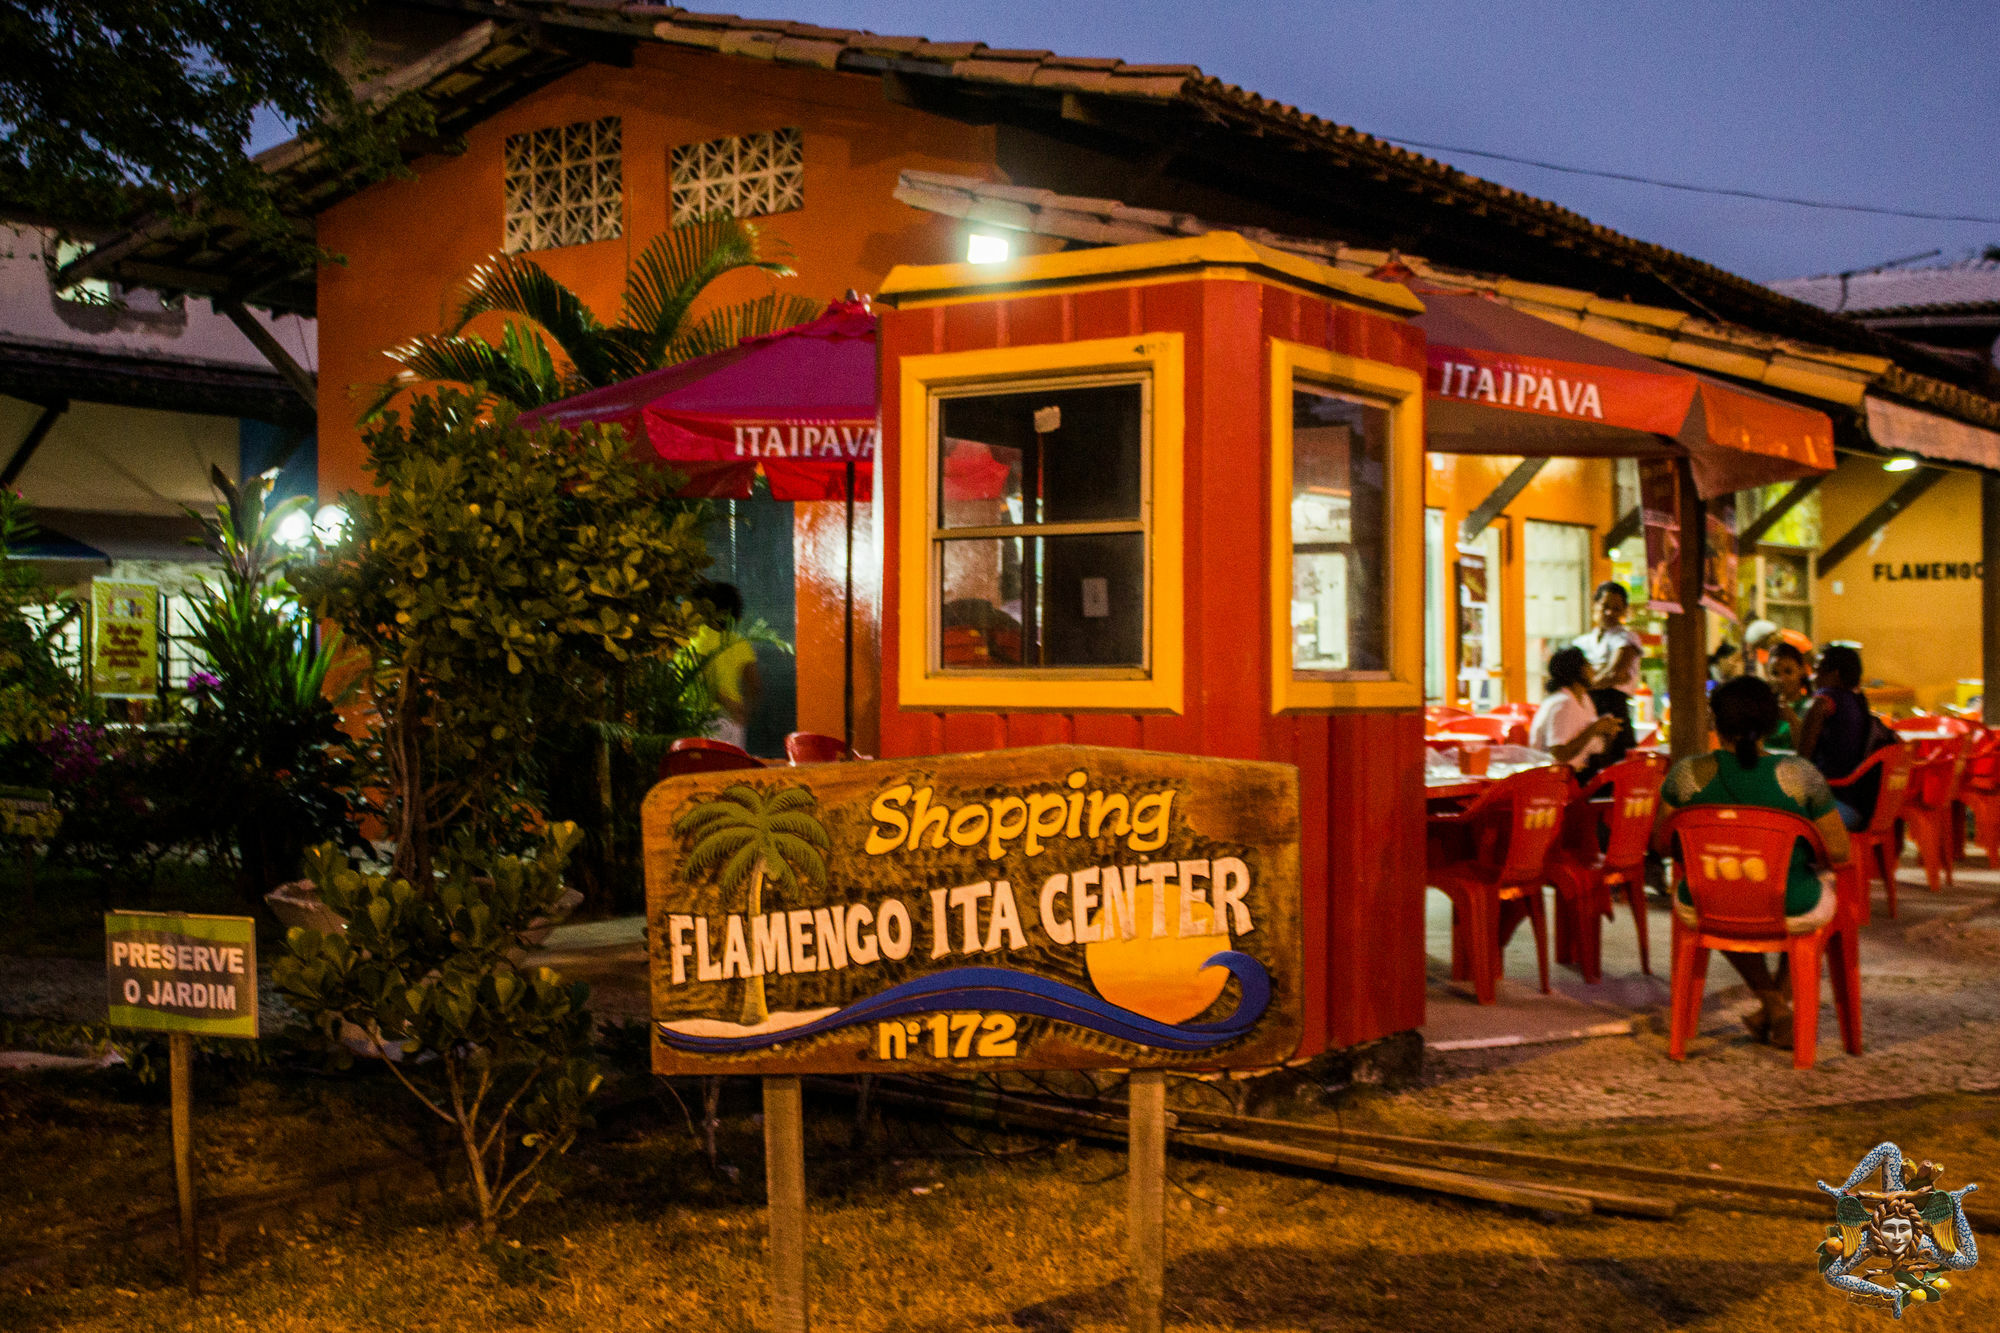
{"x": 1169, "y": 497}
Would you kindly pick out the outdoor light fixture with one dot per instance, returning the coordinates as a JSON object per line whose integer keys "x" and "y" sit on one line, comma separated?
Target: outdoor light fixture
{"x": 982, "y": 248}
{"x": 295, "y": 531}
{"x": 329, "y": 523}
{"x": 1903, "y": 463}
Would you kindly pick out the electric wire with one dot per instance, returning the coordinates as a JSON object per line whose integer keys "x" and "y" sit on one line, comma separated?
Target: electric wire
{"x": 1635, "y": 179}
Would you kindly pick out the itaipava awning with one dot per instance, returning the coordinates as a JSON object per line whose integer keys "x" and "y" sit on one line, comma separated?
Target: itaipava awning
{"x": 1502, "y": 381}
{"x": 797, "y": 405}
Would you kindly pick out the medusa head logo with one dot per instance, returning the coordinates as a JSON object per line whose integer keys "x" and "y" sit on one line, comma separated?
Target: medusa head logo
{"x": 1890, "y": 1248}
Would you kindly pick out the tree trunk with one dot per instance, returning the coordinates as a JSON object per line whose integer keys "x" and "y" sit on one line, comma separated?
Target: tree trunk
{"x": 754, "y": 1009}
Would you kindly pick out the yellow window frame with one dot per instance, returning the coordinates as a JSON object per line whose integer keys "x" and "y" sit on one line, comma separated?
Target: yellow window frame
{"x": 1402, "y": 390}
{"x": 921, "y": 683}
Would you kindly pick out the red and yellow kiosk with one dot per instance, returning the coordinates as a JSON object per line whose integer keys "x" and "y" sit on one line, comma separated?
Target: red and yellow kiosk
{"x": 1169, "y": 497}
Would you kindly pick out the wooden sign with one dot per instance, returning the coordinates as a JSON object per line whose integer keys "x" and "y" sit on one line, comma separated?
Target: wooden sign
{"x": 175, "y": 972}
{"x": 1056, "y": 907}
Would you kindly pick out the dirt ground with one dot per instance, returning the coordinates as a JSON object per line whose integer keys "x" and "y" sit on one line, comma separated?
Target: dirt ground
{"x": 938, "y": 1227}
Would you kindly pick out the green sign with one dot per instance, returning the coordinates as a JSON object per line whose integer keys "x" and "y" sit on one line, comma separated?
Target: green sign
{"x": 177, "y": 972}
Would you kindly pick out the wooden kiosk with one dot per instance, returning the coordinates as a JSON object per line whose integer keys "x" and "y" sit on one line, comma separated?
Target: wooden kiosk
{"x": 1169, "y": 497}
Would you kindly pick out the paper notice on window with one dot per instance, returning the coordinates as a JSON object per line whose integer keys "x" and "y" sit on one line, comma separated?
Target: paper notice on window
{"x": 1096, "y": 599}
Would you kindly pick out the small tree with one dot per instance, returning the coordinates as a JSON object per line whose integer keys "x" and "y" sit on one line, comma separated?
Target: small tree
{"x": 753, "y": 836}
{"x": 498, "y": 580}
{"x": 489, "y": 1048}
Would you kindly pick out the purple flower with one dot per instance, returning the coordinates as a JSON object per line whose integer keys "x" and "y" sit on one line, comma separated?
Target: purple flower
{"x": 203, "y": 682}
{"x": 76, "y": 750}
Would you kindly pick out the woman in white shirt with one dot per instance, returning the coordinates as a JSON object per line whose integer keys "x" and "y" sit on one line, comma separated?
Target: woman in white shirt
{"x": 1567, "y": 724}
{"x": 1614, "y": 653}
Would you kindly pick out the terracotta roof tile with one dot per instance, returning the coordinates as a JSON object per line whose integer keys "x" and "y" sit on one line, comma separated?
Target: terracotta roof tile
{"x": 947, "y": 50}
{"x": 995, "y": 71}
{"x": 796, "y": 50}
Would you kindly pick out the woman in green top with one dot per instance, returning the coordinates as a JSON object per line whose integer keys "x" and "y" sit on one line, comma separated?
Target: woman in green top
{"x": 1745, "y": 711}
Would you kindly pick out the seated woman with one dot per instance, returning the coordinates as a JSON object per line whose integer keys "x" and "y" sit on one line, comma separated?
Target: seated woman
{"x": 1833, "y": 733}
{"x": 1788, "y": 673}
{"x": 1567, "y": 724}
{"x": 1745, "y": 711}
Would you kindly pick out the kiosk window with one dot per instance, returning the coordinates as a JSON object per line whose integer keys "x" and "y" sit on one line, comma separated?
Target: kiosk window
{"x": 1040, "y": 538}
{"x": 1340, "y": 620}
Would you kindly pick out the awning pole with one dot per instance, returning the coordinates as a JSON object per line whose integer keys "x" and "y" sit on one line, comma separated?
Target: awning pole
{"x": 1989, "y": 595}
{"x": 847, "y": 630}
{"x": 1687, "y": 632}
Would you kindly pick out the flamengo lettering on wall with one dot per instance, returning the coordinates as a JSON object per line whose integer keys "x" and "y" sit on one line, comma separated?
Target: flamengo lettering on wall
{"x": 1936, "y": 571}
{"x": 1520, "y": 389}
{"x": 797, "y": 440}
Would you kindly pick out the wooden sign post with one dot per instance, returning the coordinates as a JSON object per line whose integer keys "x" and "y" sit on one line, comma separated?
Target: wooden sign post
{"x": 186, "y": 976}
{"x": 1060, "y": 907}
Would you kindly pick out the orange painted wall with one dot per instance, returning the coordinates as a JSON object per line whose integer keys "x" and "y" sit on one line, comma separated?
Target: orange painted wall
{"x": 409, "y": 242}
{"x": 1923, "y": 633}
{"x": 1566, "y": 490}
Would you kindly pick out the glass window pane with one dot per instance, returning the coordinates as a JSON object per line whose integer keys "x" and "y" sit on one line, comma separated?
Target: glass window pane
{"x": 1043, "y": 602}
{"x": 1041, "y": 456}
{"x": 1339, "y": 506}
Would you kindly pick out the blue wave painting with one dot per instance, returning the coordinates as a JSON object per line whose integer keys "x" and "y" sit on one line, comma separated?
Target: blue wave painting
{"x": 1020, "y": 993}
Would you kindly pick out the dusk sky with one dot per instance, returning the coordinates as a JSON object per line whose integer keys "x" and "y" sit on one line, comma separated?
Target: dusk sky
{"x": 1893, "y": 105}
{"x": 1878, "y": 103}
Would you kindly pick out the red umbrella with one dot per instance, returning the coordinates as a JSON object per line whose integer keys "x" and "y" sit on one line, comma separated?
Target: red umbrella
{"x": 798, "y": 405}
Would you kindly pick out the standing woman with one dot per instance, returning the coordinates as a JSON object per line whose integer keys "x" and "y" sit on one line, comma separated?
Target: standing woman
{"x": 1613, "y": 652}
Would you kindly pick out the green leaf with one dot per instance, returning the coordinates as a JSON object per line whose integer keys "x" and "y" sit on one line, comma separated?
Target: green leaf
{"x": 1851, "y": 1212}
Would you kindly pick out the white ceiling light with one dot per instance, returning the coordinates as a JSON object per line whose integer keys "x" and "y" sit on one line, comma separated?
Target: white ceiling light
{"x": 984, "y": 248}
{"x": 1901, "y": 464}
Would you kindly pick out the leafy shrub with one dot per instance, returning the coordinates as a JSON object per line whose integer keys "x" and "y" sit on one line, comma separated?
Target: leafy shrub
{"x": 428, "y": 976}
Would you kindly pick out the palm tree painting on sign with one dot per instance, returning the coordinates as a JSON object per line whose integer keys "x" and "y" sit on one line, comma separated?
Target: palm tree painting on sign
{"x": 656, "y": 328}
{"x": 749, "y": 838}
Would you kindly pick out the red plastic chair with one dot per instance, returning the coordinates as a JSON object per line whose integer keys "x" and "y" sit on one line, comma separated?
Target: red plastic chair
{"x": 1929, "y": 814}
{"x": 809, "y": 747}
{"x": 1512, "y": 824}
{"x": 1499, "y": 730}
{"x": 1587, "y": 872}
{"x": 1439, "y": 717}
{"x": 1979, "y": 794}
{"x": 1518, "y": 711}
{"x": 699, "y": 754}
{"x": 1875, "y": 846}
{"x": 1735, "y": 861}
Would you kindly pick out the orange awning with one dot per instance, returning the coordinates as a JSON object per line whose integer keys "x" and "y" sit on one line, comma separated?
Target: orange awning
{"x": 1505, "y": 382}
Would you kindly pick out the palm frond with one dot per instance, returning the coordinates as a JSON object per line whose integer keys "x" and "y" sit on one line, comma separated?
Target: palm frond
{"x": 520, "y": 371}
{"x": 724, "y": 327}
{"x": 797, "y": 854}
{"x": 798, "y": 826}
{"x": 738, "y": 866}
{"x": 514, "y": 285}
{"x": 671, "y": 272}
{"x": 718, "y": 847}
